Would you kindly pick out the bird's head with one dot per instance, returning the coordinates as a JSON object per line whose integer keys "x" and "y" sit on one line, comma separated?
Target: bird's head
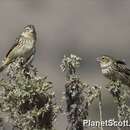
{"x": 29, "y": 31}
{"x": 104, "y": 60}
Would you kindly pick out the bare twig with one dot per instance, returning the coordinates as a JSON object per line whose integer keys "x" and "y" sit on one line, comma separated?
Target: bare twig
{"x": 100, "y": 108}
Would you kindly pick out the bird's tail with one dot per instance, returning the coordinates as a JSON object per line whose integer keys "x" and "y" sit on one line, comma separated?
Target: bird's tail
{"x": 5, "y": 64}
{"x": 2, "y": 67}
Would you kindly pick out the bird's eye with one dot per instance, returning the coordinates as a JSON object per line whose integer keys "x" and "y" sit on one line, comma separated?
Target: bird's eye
{"x": 27, "y": 30}
{"x": 103, "y": 58}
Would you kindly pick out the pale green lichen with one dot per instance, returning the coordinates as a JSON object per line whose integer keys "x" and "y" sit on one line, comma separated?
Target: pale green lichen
{"x": 78, "y": 94}
{"x": 28, "y": 98}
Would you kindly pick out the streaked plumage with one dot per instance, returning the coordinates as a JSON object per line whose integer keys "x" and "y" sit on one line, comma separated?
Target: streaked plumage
{"x": 23, "y": 47}
{"x": 114, "y": 69}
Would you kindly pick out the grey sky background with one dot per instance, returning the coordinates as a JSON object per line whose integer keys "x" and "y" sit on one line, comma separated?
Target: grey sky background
{"x": 87, "y": 28}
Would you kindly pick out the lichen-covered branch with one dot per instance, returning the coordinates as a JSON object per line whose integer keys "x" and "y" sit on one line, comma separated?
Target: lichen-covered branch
{"x": 28, "y": 98}
{"x": 78, "y": 94}
{"x": 120, "y": 95}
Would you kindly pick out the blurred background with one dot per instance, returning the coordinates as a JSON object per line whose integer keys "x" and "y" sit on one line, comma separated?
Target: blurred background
{"x": 87, "y": 28}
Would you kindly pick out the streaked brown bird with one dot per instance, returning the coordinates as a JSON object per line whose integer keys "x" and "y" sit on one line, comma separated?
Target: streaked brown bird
{"x": 115, "y": 70}
{"x": 24, "y": 47}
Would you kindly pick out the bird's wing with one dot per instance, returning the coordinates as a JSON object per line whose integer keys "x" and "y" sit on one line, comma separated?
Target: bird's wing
{"x": 122, "y": 67}
{"x": 14, "y": 45}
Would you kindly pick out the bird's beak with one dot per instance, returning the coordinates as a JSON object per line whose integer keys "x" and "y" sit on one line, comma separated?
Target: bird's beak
{"x": 98, "y": 59}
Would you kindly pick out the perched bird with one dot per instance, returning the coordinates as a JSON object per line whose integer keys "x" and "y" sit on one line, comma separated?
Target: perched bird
{"x": 24, "y": 47}
{"x": 115, "y": 70}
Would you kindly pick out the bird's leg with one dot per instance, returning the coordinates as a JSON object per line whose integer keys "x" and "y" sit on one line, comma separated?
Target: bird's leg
{"x": 27, "y": 65}
{"x": 30, "y": 59}
{"x": 108, "y": 85}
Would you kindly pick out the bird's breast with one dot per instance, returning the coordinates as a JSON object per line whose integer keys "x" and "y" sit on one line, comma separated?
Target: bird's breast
{"x": 29, "y": 44}
{"x": 107, "y": 71}
{"x": 25, "y": 47}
